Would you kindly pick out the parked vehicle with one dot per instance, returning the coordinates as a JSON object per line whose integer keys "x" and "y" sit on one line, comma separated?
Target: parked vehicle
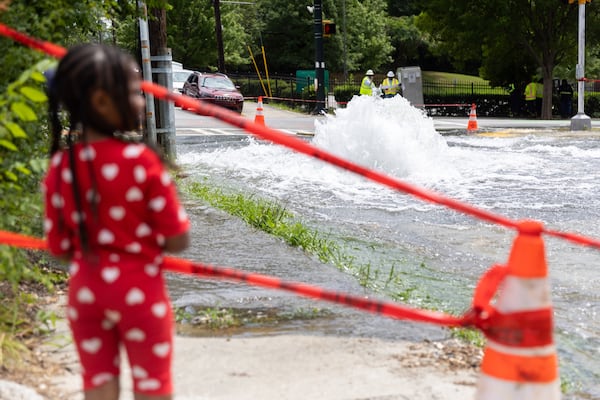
{"x": 179, "y": 78}
{"x": 215, "y": 88}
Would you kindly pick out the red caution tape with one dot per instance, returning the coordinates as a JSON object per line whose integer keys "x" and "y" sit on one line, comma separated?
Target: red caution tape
{"x": 47, "y": 47}
{"x": 387, "y": 309}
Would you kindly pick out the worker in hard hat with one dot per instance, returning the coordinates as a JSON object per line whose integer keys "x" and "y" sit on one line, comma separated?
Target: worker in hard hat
{"x": 368, "y": 84}
{"x": 390, "y": 86}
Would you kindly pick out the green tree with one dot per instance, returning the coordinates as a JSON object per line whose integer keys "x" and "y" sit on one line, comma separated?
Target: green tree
{"x": 506, "y": 36}
{"x": 191, "y": 34}
{"x": 369, "y": 45}
{"x": 64, "y": 22}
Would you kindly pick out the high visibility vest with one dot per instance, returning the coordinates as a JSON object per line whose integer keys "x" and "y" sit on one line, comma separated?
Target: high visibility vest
{"x": 539, "y": 90}
{"x": 366, "y": 87}
{"x": 530, "y": 91}
{"x": 390, "y": 86}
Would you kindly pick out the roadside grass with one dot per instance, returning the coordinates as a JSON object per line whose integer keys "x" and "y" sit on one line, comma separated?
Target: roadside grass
{"x": 434, "y": 76}
{"x": 274, "y": 219}
{"x": 201, "y": 320}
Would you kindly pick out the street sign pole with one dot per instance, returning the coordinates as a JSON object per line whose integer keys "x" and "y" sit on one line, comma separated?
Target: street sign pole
{"x": 580, "y": 121}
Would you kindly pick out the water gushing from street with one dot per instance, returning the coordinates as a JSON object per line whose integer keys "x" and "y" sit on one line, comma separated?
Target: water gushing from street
{"x": 436, "y": 254}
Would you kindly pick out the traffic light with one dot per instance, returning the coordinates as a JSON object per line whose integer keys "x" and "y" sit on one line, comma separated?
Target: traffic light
{"x": 328, "y": 28}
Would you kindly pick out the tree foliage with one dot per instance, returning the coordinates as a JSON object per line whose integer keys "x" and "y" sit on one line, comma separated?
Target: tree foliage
{"x": 511, "y": 40}
{"x": 284, "y": 29}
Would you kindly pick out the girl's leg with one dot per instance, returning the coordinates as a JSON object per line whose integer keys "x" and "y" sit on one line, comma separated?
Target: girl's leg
{"x": 138, "y": 396}
{"x": 107, "y": 391}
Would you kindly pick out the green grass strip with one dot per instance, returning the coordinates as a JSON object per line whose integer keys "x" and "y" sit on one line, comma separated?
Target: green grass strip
{"x": 273, "y": 219}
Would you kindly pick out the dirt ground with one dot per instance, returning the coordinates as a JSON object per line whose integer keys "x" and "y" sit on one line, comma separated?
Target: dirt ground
{"x": 274, "y": 367}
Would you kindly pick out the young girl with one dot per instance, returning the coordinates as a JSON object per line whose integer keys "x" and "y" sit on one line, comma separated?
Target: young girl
{"x": 111, "y": 211}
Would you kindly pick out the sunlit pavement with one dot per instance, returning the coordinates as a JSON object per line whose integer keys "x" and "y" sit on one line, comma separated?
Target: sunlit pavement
{"x": 488, "y": 124}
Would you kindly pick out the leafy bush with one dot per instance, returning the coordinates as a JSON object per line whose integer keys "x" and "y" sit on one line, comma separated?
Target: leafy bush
{"x": 23, "y": 158}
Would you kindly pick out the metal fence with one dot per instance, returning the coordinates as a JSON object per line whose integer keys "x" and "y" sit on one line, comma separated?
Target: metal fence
{"x": 288, "y": 86}
{"x": 294, "y": 87}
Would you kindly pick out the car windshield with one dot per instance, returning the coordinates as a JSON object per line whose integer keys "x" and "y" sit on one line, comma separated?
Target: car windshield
{"x": 218, "y": 83}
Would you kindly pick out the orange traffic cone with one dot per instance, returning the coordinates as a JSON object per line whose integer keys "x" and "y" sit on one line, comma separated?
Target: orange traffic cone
{"x": 259, "y": 118}
{"x": 472, "y": 125}
{"x": 520, "y": 360}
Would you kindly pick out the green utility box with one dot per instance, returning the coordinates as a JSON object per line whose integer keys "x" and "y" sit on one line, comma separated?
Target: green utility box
{"x": 306, "y": 78}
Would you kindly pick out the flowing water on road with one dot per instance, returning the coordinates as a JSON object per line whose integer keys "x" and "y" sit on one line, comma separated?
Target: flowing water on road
{"x": 435, "y": 255}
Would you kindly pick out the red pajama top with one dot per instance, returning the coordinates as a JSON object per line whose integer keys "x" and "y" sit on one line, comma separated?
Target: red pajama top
{"x": 117, "y": 295}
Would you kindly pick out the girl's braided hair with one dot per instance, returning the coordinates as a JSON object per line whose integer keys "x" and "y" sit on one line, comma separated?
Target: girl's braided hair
{"x": 84, "y": 69}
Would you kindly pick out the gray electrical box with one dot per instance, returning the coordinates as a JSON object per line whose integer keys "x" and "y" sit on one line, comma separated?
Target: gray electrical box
{"x": 412, "y": 85}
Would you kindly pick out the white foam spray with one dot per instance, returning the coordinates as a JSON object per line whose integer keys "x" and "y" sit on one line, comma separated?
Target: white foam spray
{"x": 389, "y": 135}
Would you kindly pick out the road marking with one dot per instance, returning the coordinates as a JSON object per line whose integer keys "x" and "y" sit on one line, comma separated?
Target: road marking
{"x": 227, "y": 131}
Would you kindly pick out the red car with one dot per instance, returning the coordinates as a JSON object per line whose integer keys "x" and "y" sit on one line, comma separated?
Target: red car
{"x": 215, "y": 88}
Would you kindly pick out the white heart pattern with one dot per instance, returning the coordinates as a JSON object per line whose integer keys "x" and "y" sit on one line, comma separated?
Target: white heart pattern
{"x": 143, "y": 230}
{"x": 134, "y": 296}
{"x": 116, "y": 212}
{"x": 56, "y": 159}
{"x": 57, "y": 200}
{"x": 133, "y": 151}
{"x": 91, "y": 345}
{"x": 75, "y": 217}
{"x": 73, "y": 268}
{"x": 134, "y": 248}
{"x": 159, "y": 309}
{"x": 149, "y": 384}
{"x": 158, "y": 203}
{"x": 151, "y": 270}
{"x": 109, "y": 171}
{"x": 139, "y": 372}
{"x": 134, "y": 194}
{"x": 87, "y": 154}
{"x": 107, "y": 325}
{"x": 105, "y": 236}
{"x": 165, "y": 178}
{"x": 66, "y": 176}
{"x": 161, "y": 349}
{"x": 182, "y": 215}
{"x": 139, "y": 174}
{"x": 112, "y": 315}
{"x": 135, "y": 335}
{"x": 110, "y": 274}
{"x": 65, "y": 244}
{"x": 102, "y": 378}
{"x": 85, "y": 296}
{"x": 47, "y": 225}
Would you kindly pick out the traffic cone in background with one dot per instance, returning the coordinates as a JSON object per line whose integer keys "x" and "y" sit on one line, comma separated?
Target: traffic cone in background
{"x": 472, "y": 125}
{"x": 520, "y": 360}
{"x": 259, "y": 118}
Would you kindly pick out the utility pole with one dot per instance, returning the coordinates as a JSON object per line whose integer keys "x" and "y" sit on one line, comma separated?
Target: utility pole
{"x": 161, "y": 55}
{"x": 319, "y": 59}
{"x": 147, "y": 72}
{"x": 219, "y": 35}
{"x": 580, "y": 121}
